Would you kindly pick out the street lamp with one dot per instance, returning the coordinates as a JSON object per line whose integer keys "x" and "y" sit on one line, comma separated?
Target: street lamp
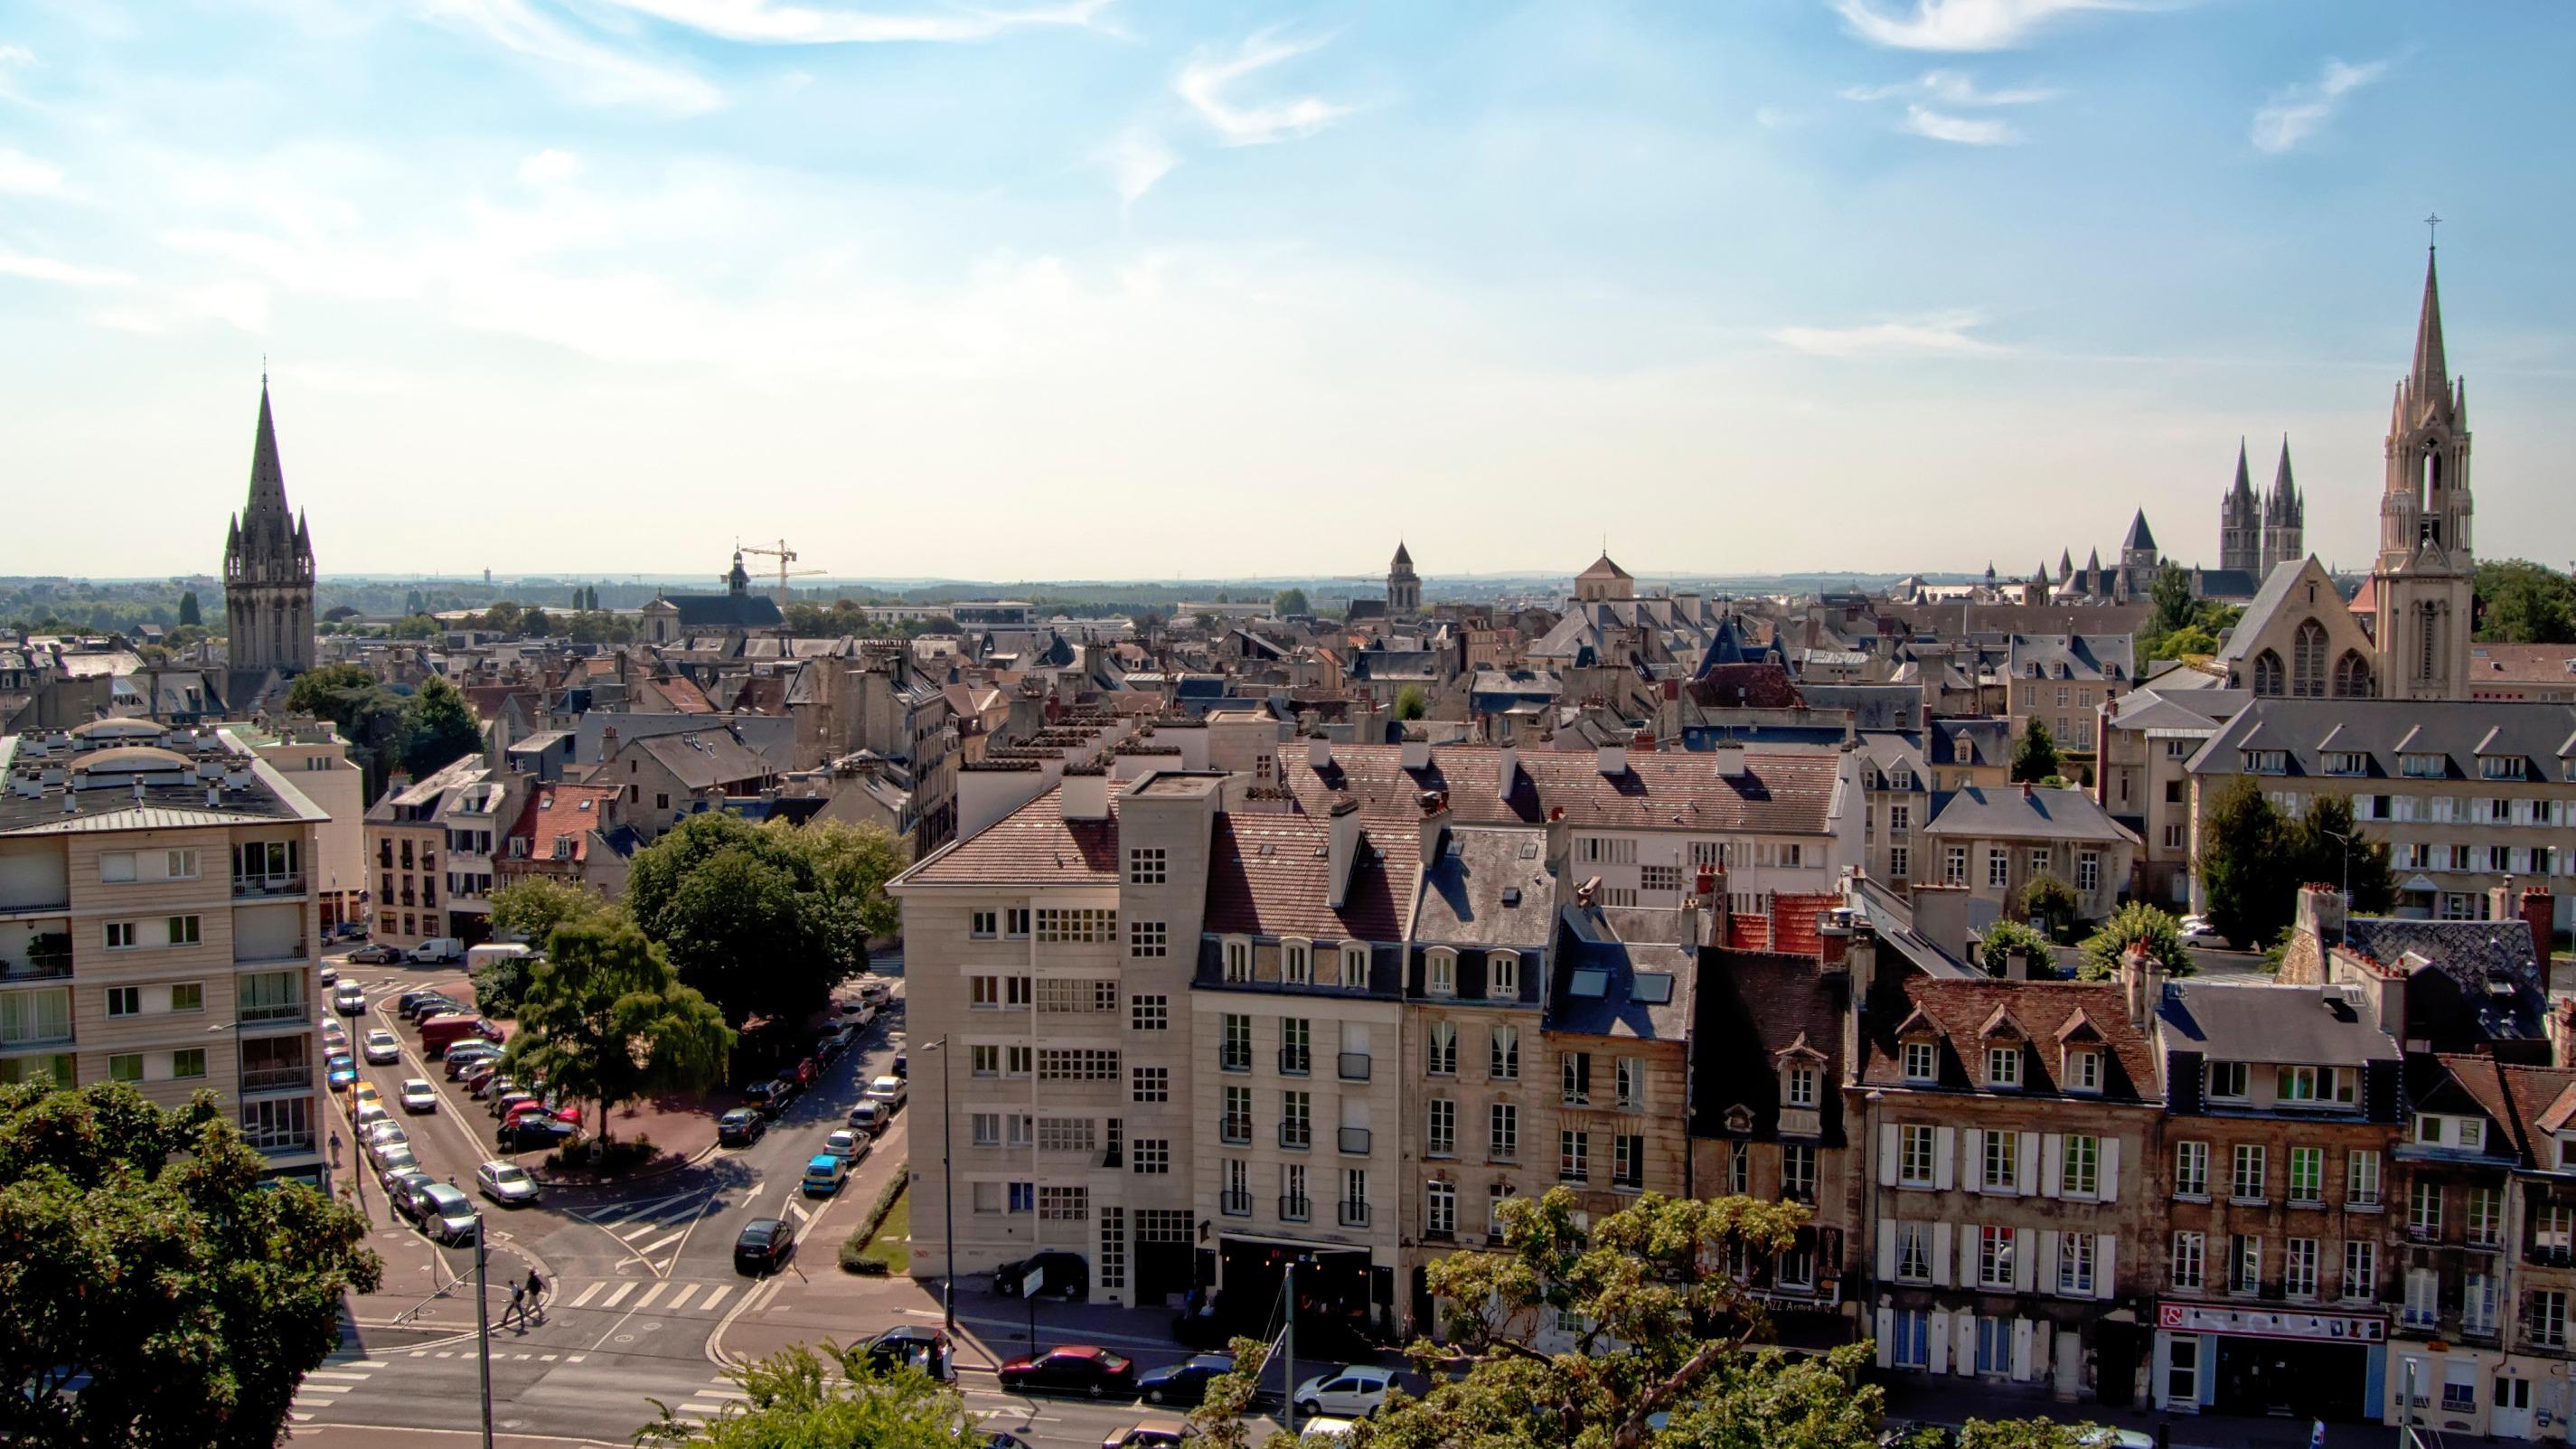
{"x": 947, "y": 1188}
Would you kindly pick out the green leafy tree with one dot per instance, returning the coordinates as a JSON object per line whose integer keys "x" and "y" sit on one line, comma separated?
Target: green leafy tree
{"x": 851, "y": 865}
{"x": 438, "y": 728}
{"x": 2035, "y": 757}
{"x": 763, "y": 918}
{"x": 605, "y": 1019}
{"x": 1290, "y": 603}
{"x": 502, "y": 617}
{"x": 2330, "y": 852}
{"x": 1220, "y": 1420}
{"x": 500, "y": 984}
{"x": 188, "y": 613}
{"x": 798, "y": 1398}
{"x": 2521, "y": 602}
{"x": 2170, "y": 593}
{"x": 2006, "y": 936}
{"x": 369, "y": 716}
{"x": 2136, "y": 921}
{"x": 2247, "y": 867}
{"x": 147, "y": 1252}
{"x": 1411, "y": 703}
{"x": 530, "y": 907}
{"x": 2050, "y": 899}
{"x": 2025, "y": 1434}
{"x": 536, "y": 624}
{"x": 2189, "y": 641}
{"x": 414, "y": 626}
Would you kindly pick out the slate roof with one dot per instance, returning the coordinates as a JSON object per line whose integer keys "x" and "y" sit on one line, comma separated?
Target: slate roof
{"x": 1782, "y": 794}
{"x": 1968, "y": 1016}
{"x": 1968, "y": 742}
{"x": 1268, "y": 876}
{"x": 2491, "y": 985}
{"x": 2543, "y": 736}
{"x": 725, "y": 611}
{"x": 1749, "y": 1006}
{"x": 702, "y": 760}
{"x": 2027, "y": 813}
{"x": 1463, "y": 888}
{"x": 2248, "y": 1022}
{"x": 1034, "y": 844}
{"x": 2071, "y": 656}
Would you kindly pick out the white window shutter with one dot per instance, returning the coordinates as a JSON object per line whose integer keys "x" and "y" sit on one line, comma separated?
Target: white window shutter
{"x": 2104, "y": 1267}
{"x": 2026, "y": 1164}
{"x": 1967, "y": 1255}
{"x": 1940, "y": 1256}
{"x": 1966, "y": 1363}
{"x": 2110, "y": 1169}
{"x": 2052, "y": 1148}
{"x": 1937, "y": 1349}
{"x": 1886, "y": 1250}
{"x": 2048, "y": 1260}
{"x": 2021, "y": 1350}
{"x": 1942, "y": 1166}
{"x": 1886, "y": 1337}
{"x": 1973, "y": 1141}
{"x": 1887, "y": 1154}
{"x": 2025, "y": 1248}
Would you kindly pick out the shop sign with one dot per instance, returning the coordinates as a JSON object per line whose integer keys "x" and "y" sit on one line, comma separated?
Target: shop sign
{"x": 2270, "y": 1323}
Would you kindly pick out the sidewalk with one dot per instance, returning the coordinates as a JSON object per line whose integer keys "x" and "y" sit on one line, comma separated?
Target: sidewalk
{"x": 1911, "y": 1399}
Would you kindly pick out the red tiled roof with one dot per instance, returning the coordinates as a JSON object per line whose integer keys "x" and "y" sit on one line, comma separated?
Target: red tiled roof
{"x": 2035, "y": 1010}
{"x": 1754, "y": 686}
{"x": 555, "y": 812}
{"x": 1286, "y": 889}
{"x": 2522, "y": 664}
{"x": 1777, "y": 794}
{"x": 2517, "y": 1096}
{"x": 1032, "y": 843}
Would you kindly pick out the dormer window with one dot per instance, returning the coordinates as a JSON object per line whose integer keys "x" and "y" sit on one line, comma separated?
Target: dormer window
{"x": 2566, "y": 1153}
{"x": 1922, "y": 1061}
{"x": 2421, "y": 766}
{"x": 2003, "y": 1066}
{"x": 1441, "y": 967}
{"x": 2229, "y": 1081}
{"x": 1798, "y": 1087}
{"x": 1355, "y": 964}
{"x": 2267, "y": 762}
{"x": 2344, "y": 762}
{"x": 2500, "y": 767}
{"x": 2455, "y": 1134}
{"x": 1503, "y": 976}
{"x": 1297, "y": 962}
{"x": 2084, "y": 1070}
{"x": 1238, "y": 959}
{"x": 2316, "y": 1086}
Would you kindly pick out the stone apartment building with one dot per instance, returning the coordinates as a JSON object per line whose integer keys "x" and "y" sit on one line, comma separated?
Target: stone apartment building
{"x": 1993, "y": 842}
{"x": 569, "y": 833}
{"x": 157, "y": 925}
{"x": 434, "y": 849}
{"x": 2148, "y": 743}
{"x": 2063, "y": 680}
{"x": 312, "y": 752}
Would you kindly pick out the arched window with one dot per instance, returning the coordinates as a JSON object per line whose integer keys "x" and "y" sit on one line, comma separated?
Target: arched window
{"x": 2352, "y": 676}
{"x": 2308, "y": 661}
{"x": 2267, "y": 673}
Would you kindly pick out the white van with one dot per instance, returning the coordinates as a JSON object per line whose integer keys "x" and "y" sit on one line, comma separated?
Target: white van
{"x": 484, "y": 955}
{"x": 437, "y": 949}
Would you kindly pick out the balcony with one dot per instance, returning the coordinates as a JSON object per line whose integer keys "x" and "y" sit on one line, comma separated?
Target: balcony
{"x": 53, "y": 966}
{"x": 1296, "y": 1209}
{"x": 281, "y": 1144}
{"x": 253, "y": 953}
{"x": 266, "y": 887}
{"x": 1355, "y": 1066}
{"x": 1295, "y": 1061}
{"x": 1801, "y": 1122}
{"x": 2550, "y": 1255}
{"x": 1296, "y": 1135}
{"x": 45, "y": 907}
{"x": 1355, "y": 1214}
{"x": 1355, "y": 1141}
{"x": 276, "y": 1079}
{"x": 1234, "y": 1204}
{"x": 1234, "y": 1059}
{"x": 1234, "y": 1131}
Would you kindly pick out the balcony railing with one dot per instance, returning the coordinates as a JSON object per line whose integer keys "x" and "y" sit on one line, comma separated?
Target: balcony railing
{"x": 289, "y": 1011}
{"x": 1295, "y": 1209}
{"x": 276, "y": 1079}
{"x": 1355, "y": 1141}
{"x": 52, "y": 967}
{"x": 1355, "y": 1215}
{"x": 1234, "y": 1059}
{"x": 1234, "y": 1204}
{"x": 1234, "y": 1130}
{"x": 1355, "y": 1066}
{"x": 278, "y": 1144}
{"x": 1299, "y": 1135}
{"x": 254, "y": 887}
{"x": 2412, "y": 1317}
{"x": 249, "y": 953}
{"x": 1438, "y": 1234}
{"x": 1296, "y": 1061}
{"x": 36, "y": 908}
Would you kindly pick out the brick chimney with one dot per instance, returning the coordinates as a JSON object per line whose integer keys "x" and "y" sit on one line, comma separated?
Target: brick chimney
{"x": 2142, "y": 982}
{"x": 2540, "y": 912}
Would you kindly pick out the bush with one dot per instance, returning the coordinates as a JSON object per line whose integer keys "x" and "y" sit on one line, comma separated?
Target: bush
{"x": 606, "y": 1158}
{"x": 2136, "y": 921}
{"x": 498, "y": 985}
{"x": 2006, "y": 936}
{"x": 854, "y": 1247}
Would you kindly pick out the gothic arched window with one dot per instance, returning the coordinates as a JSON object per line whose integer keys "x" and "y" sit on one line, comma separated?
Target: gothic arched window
{"x": 2352, "y": 676}
{"x": 2308, "y": 661}
{"x": 2267, "y": 673}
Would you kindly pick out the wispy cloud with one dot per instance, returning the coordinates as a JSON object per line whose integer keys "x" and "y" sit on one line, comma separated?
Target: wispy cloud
{"x": 594, "y": 72}
{"x": 771, "y": 22}
{"x": 24, "y": 175}
{"x": 65, "y": 274}
{"x": 546, "y": 167}
{"x": 1938, "y": 332}
{"x": 1204, "y": 82}
{"x": 2294, "y": 113}
{"x": 1958, "y": 130}
{"x": 1135, "y": 161}
{"x": 1950, "y": 88}
{"x": 1957, "y": 25}
{"x": 16, "y": 55}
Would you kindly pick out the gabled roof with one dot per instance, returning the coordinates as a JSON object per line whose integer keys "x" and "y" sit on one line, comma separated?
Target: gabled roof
{"x": 1034, "y": 844}
{"x": 1665, "y": 790}
{"x": 1268, "y": 875}
{"x": 2027, "y": 813}
{"x": 1971, "y": 1015}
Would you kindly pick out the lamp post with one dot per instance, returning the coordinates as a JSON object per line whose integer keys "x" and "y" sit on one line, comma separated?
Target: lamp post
{"x": 483, "y": 1324}
{"x": 948, "y": 1190}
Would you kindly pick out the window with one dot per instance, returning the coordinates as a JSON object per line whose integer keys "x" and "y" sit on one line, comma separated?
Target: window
{"x": 1443, "y": 967}
{"x": 1145, "y": 865}
{"x": 1234, "y": 1046}
{"x": 1900, "y": 862}
{"x": 1798, "y": 1172}
{"x": 1573, "y": 1156}
{"x": 1801, "y": 1086}
{"x": 2003, "y": 1161}
{"x": 988, "y": 1129}
{"x": 1994, "y": 1345}
{"x": 1152, "y": 1157}
{"x": 1497, "y": 1194}
{"x": 188, "y": 996}
{"x": 2245, "y": 1184}
{"x": 2245, "y": 1264}
{"x": 1150, "y": 1084}
{"x": 2360, "y": 1268}
{"x": 2228, "y": 1080}
{"x": 1440, "y": 1129}
{"x": 1505, "y": 1065}
{"x": 2188, "y": 1251}
{"x": 2547, "y": 1318}
{"x": 1998, "y": 869}
{"x": 1440, "y": 1209}
{"x": 1503, "y": 1132}
{"x": 1628, "y": 1160}
{"x": 2307, "y": 1176}
{"x": 2039, "y": 864}
{"x": 983, "y": 925}
{"x": 1149, "y": 1013}
{"x": 1994, "y": 1257}
{"x": 1441, "y": 1060}
{"x": 984, "y": 1061}
{"x": 1064, "y": 1204}
{"x": 1920, "y": 1061}
{"x": 2296, "y": 1086}
{"x": 984, "y": 993}
{"x": 1502, "y": 976}
{"x": 120, "y": 935}
{"x": 1148, "y": 938}
{"x": 2080, "y": 1166}
{"x": 1238, "y": 960}
{"x": 1296, "y": 1046}
{"x": 2191, "y": 1169}
{"x": 1296, "y": 1119}
{"x": 2361, "y": 1178}
{"x": 1059, "y": 926}
{"x": 1574, "y": 1074}
{"x": 2003, "y": 1066}
{"x": 1077, "y": 1064}
{"x": 125, "y": 1001}
{"x": 188, "y": 1064}
{"x": 2084, "y": 1071}
{"x": 1066, "y": 1134}
{"x": 1015, "y": 923}
{"x": 116, "y": 867}
{"x": 1297, "y": 962}
{"x": 1628, "y": 1083}
{"x": 1355, "y": 965}
{"x": 1914, "y": 1155}
{"x": 2088, "y": 871}
{"x": 125, "y": 1067}
{"x": 1954, "y": 865}
{"x": 2486, "y": 1217}
{"x": 2299, "y": 1268}
{"x": 1739, "y": 1168}
{"x": 2424, "y": 1209}
{"x": 2075, "y": 1264}
{"x": 1914, "y": 1252}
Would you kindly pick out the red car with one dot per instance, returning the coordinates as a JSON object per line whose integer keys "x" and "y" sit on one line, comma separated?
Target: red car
{"x": 806, "y": 1071}
{"x": 534, "y": 1108}
{"x": 1075, "y": 1369}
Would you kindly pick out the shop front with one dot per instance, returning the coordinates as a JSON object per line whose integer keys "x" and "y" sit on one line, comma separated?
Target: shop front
{"x": 2225, "y": 1359}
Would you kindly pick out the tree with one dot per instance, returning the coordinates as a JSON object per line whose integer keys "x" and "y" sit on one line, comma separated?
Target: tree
{"x": 148, "y": 1252}
{"x": 414, "y": 626}
{"x": 851, "y": 865}
{"x": 438, "y": 728}
{"x": 502, "y": 617}
{"x": 1411, "y": 703}
{"x": 1218, "y": 1421}
{"x": 531, "y": 907}
{"x": 763, "y": 918}
{"x": 605, "y": 1019}
{"x": 2330, "y": 852}
{"x": 2136, "y": 921}
{"x": 2035, "y": 758}
{"x": 2006, "y": 936}
{"x": 2521, "y": 602}
{"x": 2247, "y": 875}
{"x": 369, "y": 716}
{"x": 2050, "y": 899}
{"x": 800, "y": 1399}
{"x": 2171, "y": 595}
{"x": 536, "y": 624}
{"x": 1290, "y": 603}
{"x": 188, "y": 609}
{"x": 2186, "y": 642}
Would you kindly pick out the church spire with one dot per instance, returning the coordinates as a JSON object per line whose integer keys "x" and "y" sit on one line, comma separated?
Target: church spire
{"x": 267, "y": 477}
{"x": 2244, "y": 488}
{"x": 2429, "y": 381}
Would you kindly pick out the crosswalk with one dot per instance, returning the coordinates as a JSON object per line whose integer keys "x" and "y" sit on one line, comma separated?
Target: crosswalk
{"x": 652, "y": 1229}
{"x": 322, "y": 1388}
{"x": 672, "y": 1297}
{"x": 708, "y": 1402}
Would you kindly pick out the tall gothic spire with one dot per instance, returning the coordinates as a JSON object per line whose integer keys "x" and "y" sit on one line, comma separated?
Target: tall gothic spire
{"x": 267, "y": 478}
{"x": 2244, "y": 489}
{"x": 2284, "y": 490}
{"x": 2430, "y": 379}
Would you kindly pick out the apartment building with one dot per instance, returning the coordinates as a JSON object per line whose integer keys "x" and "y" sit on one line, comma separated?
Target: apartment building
{"x": 2452, "y": 1169}
{"x": 1993, "y": 843}
{"x": 2531, "y": 1392}
{"x": 1621, "y": 1004}
{"x": 2062, "y": 680}
{"x": 313, "y": 754}
{"x": 157, "y": 924}
{"x": 2145, "y": 778}
{"x": 2467, "y": 794}
{"x": 431, "y": 845}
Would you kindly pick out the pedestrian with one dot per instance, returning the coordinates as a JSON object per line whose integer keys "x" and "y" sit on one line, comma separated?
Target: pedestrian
{"x": 518, "y": 1307}
{"x": 537, "y": 1295}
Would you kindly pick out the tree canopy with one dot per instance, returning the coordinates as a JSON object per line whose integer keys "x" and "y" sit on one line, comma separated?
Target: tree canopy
{"x": 2136, "y": 921}
{"x": 188, "y": 613}
{"x": 529, "y": 908}
{"x": 799, "y": 1398}
{"x": 369, "y": 716}
{"x": 605, "y": 1019}
{"x": 1411, "y": 703}
{"x": 438, "y": 728}
{"x": 2006, "y": 936}
{"x": 147, "y": 1253}
{"x": 2255, "y": 859}
{"x": 1291, "y": 603}
{"x": 2521, "y": 602}
{"x": 764, "y": 918}
{"x": 2035, "y": 756}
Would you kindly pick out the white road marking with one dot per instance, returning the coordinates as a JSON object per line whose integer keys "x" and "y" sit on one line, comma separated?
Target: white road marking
{"x": 687, "y": 1292}
{"x": 329, "y": 1374}
{"x": 664, "y": 1243}
{"x": 716, "y": 1295}
{"x": 623, "y": 1289}
{"x": 364, "y": 1363}
{"x": 650, "y": 1294}
{"x": 589, "y": 1293}
{"x": 311, "y": 1388}
{"x": 639, "y": 1232}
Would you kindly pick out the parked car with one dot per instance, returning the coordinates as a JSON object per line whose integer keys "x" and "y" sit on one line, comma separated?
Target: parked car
{"x": 1328, "y": 1429}
{"x": 466, "y": 1053}
{"x": 402, "y": 1191}
{"x": 535, "y": 1133}
{"x": 849, "y": 1144}
{"x": 869, "y": 1117}
{"x": 2105, "y": 1437}
{"x": 1062, "y": 1273}
{"x": 446, "y": 1214}
{"x": 1185, "y": 1382}
{"x": 438, "y": 1033}
{"x": 917, "y": 1345}
{"x": 771, "y": 1097}
{"x": 436, "y": 950}
{"x": 334, "y": 1034}
{"x": 395, "y": 1158}
{"x": 903, "y": 1063}
{"x": 328, "y": 976}
{"x": 1075, "y": 1369}
{"x": 764, "y": 1246}
{"x": 382, "y": 1046}
{"x": 496, "y": 1086}
{"x": 375, "y": 955}
{"x": 505, "y": 1103}
{"x": 740, "y": 1127}
{"x": 368, "y": 1110}
{"x": 384, "y": 1137}
{"x": 888, "y": 1091}
{"x": 2197, "y": 932}
{"x": 1355, "y": 1392}
{"x": 349, "y": 1000}
{"x": 419, "y": 1096}
{"x": 1001, "y": 1439}
{"x": 506, "y": 1183}
{"x": 1149, "y": 1434}
{"x": 827, "y": 1047}
{"x": 824, "y": 1174}
{"x": 339, "y": 1069}
{"x": 349, "y": 931}
{"x": 540, "y": 1109}
{"x": 875, "y": 993}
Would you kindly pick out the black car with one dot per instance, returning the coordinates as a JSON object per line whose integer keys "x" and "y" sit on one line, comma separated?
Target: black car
{"x": 1065, "y": 1274}
{"x": 430, "y": 1004}
{"x": 903, "y": 1063}
{"x": 917, "y": 1345}
{"x": 771, "y": 1097}
{"x": 534, "y": 1131}
{"x": 1185, "y": 1382}
{"x": 401, "y": 1190}
{"x": 764, "y": 1247}
{"x": 740, "y": 1127}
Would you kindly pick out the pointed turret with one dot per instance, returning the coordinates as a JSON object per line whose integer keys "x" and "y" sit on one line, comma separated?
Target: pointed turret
{"x": 2141, "y": 539}
{"x": 1403, "y": 560}
{"x": 2065, "y": 565}
{"x": 268, "y": 572}
{"x": 2430, "y": 378}
{"x": 2244, "y": 488}
{"x": 2285, "y": 492}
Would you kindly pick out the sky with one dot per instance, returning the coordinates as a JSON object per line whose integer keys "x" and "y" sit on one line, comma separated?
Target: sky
{"x": 1047, "y": 289}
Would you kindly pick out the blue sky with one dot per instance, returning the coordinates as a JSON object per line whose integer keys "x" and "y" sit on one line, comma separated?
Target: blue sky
{"x": 1120, "y": 288}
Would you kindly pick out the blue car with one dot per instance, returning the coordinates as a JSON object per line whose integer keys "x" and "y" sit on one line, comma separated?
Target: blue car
{"x": 339, "y": 1070}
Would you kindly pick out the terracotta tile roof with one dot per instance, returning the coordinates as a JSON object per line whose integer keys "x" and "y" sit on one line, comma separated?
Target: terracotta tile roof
{"x": 557, "y": 812}
{"x": 1964, "y": 1013}
{"x": 1033, "y": 843}
{"x": 1777, "y": 794}
{"x": 2531, "y": 1102}
{"x": 1268, "y": 876}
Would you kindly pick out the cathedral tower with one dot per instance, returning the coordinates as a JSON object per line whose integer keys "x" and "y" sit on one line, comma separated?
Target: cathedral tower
{"x": 1403, "y": 586}
{"x": 268, "y": 575}
{"x": 2285, "y": 514}
{"x": 2240, "y": 527}
{"x": 2423, "y": 578}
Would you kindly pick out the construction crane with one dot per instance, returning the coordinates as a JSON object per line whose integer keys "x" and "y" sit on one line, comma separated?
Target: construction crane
{"x": 785, "y": 556}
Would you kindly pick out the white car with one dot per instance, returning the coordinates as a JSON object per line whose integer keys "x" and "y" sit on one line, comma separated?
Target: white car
{"x": 2197, "y": 932}
{"x": 506, "y": 1183}
{"x": 1354, "y": 1392}
{"x": 847, "y": 1143}
{"x": 888, "y": 1090}
{"x": 385, "y": 1137}
{"x": 1327, "y": 1428}
{"x": 419, "y": 1096}
{"x": 370, "y": 1112}
{"x": 382, "y": 1046}
{"x": 330, "y": 976}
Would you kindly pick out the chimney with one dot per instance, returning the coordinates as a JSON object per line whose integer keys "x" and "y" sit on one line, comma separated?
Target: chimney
{"x": 2025, "y": 789}
{"x": 1435, "y": 820}
{"x": 2540, "y": 912}
{"x": 2142, "y": 982}
{"x": 1319, "y": 753}
{"x": 1613, "y": 761}
{"x": 1729, "y": 755}
{"x": 1507, "y": 768}
{"x": 1341, "y": 846}
{"x": 1941, "y": 917}
{"x": 1085, "y": 793}
{"x": 2017, "y": 964}
{"x": 1415, "y": 753}
{"x": 1588, "y": 891}
{"x": 2319, "y": 913}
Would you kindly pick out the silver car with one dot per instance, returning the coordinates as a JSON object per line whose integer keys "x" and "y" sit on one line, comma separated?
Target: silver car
{"x": 506, "y": 1183}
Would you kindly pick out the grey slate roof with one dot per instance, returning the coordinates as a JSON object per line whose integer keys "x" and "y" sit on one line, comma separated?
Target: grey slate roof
{"x": 2543, "y": 736}
{"x": 1464, "y": 887}
{"x": 2319, "y": 1026}
{"x": 1596, "y": 940}
{"x": 2024, "y": 813}
{"x": 2072, "y": 656}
